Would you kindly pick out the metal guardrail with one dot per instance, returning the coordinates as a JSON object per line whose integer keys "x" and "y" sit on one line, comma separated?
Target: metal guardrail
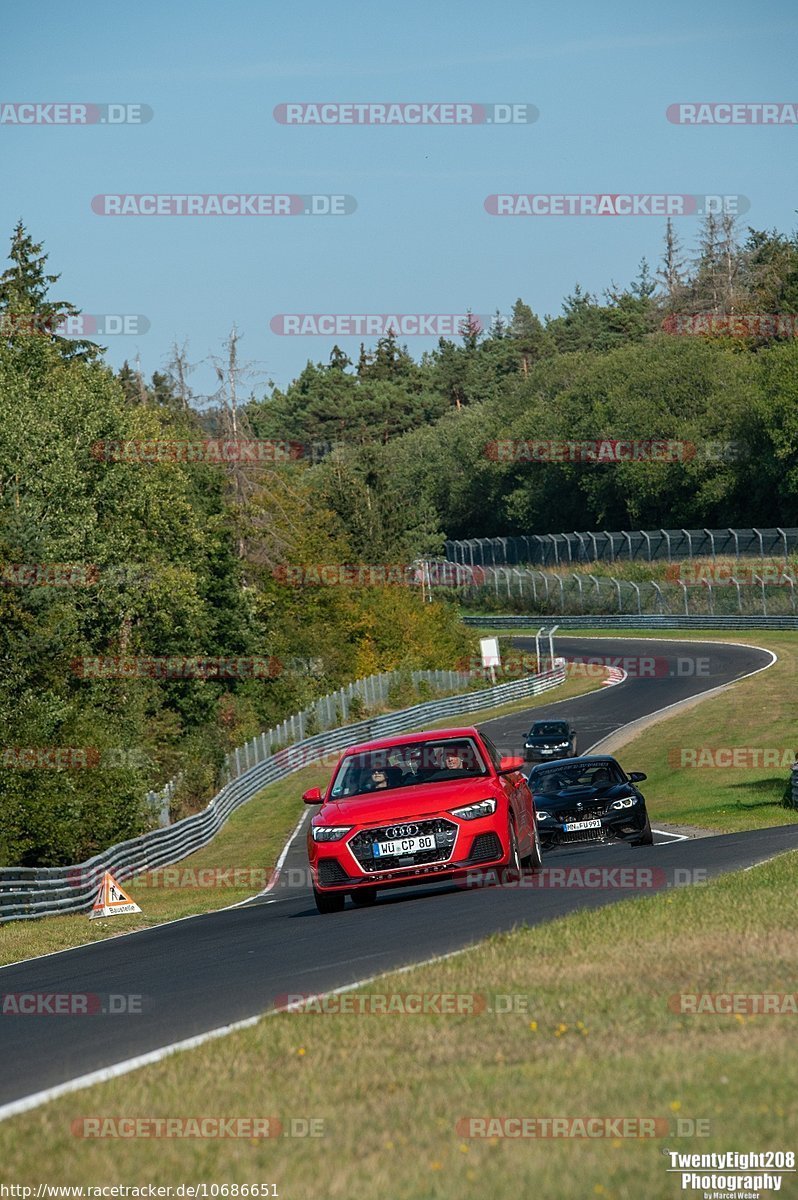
{"x": 27, "y": 892}
{"x": 633, "y": 621}
{"x": 332, "y": 710}
{"x": 560, "y": 549}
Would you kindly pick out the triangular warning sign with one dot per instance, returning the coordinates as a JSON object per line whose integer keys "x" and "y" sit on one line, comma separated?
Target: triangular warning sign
{"x": 112, "y": 899}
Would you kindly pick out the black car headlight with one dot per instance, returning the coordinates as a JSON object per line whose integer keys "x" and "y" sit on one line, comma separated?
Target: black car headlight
{"x": 626, "y": 802}
{"x": 542, "y": 816}
{"x": 470, "y": 812}
{"x": 329, "y": 833}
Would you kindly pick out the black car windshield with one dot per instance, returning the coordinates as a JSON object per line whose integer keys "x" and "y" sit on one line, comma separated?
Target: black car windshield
{"x": 412, "y": 763}
{"x": 549, "y": 729}
{"x": 576, "y": 775}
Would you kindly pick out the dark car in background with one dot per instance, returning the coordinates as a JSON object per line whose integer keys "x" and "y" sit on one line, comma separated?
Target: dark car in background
{"x": 549, "y": 740}
{"x": 589, "y": 799}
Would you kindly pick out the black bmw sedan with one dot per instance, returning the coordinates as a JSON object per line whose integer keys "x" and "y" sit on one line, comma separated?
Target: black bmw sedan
{"x": 549, "y": 739}
{"x": 589, "y": 799}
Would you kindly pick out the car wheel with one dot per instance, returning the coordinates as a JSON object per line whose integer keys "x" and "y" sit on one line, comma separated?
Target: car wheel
{"x": 329, "y": 902}
{"x": 512, "y": 868}
{"x": 364, "y": 897}
{"x": 647, "y": 836}
{"x": 534, "y": 860}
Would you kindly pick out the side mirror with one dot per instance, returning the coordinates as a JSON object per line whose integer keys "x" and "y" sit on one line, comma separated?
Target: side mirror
{"x": 510, "y": 764}
{"x": 312, "y": 796}
{"x": 637, "y": 776}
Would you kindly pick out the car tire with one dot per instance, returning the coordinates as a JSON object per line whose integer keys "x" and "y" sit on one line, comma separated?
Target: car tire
{"x": 513, "y": 868}
{"x": 534, "y": 860}
{"x": 364, "y": 897}
{"x": 647, "y": 836}
{"x": 329, "y": 902}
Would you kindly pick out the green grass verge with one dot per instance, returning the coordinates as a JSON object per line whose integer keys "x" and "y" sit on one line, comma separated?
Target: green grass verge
{"x": 244, "y": 853}
{"x": 590, "y": 1034}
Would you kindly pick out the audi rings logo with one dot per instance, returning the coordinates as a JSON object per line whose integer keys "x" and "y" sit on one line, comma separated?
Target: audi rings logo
{"x": 400, "y": 831}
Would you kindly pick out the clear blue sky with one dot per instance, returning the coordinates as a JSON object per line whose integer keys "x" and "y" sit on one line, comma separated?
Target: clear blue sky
{"x": 602, "y": 76}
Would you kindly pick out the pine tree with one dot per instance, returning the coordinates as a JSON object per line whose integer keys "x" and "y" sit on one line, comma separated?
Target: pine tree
{"x": 671, "y": 272}
{"x": 24, "y": 305}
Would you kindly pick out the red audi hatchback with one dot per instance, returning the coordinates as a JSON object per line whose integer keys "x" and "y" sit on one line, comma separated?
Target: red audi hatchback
{"x": 415, "y": 808}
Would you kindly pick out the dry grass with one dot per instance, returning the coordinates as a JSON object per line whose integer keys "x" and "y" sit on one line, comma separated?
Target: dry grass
{"x": 594, "y": 1037}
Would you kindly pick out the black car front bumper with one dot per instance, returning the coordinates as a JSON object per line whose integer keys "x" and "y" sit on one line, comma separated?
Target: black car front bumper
{"x": 624, "y": 825}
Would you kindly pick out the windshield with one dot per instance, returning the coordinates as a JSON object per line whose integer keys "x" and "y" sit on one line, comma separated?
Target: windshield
{"x": 591, "y": 776}
{"x": 549, "y": 729}
{"x": 413, "y": 763}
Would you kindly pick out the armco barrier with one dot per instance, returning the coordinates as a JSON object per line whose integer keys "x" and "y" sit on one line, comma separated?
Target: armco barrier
{"x": 27, "y": 892}
{"x": 630, "y": 621}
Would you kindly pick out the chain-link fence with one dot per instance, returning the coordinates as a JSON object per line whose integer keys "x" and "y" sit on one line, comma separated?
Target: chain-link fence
{"x": 526, "y": 590}
{"x": 558, "y": 549}
{"x": 354, "y": 700}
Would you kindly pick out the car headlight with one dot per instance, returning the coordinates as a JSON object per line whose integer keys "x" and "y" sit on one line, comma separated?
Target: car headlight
{"x": 329, "y": 833}
{"x": 626, "y": 802}
{"x": 542, "y": 816}
{"x": 482, "y": 808}
{"x": 563, "y": 745}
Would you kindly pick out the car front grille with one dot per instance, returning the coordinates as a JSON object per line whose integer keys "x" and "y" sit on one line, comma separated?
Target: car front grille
{"x": 444, "y": 832}
{"x": 581, "y": 835}
{"x": 589, "y": 813}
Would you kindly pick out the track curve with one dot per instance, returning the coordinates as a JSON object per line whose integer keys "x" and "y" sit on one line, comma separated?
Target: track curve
{"x": 205, "y": 972}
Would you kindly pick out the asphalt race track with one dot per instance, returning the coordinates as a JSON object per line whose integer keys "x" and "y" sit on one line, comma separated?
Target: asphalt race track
{"x": 202, "y": 973}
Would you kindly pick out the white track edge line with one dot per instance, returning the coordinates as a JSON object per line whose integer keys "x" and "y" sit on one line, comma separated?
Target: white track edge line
{"x": 126, "y": 1066}
{"x": 195, "y": 916}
